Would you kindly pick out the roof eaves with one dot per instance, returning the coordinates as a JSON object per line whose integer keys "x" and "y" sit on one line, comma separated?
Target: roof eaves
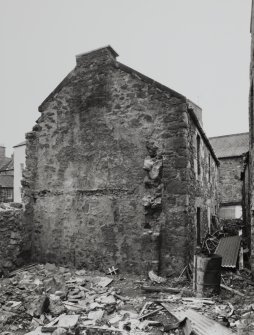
{"x": 59, "y": 87}
{"x": 202, "y": 133}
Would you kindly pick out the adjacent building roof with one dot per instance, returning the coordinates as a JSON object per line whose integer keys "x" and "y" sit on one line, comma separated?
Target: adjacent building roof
{"x": 228, "y": 249}
{"x": 7, "y": 166}
{"x": 234, "y": 145}
{"x": 4, "y": 161}
{"x": 6, "y": 181}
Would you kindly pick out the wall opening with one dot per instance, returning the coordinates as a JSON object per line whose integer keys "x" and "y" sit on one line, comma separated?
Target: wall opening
{"x": 251, "y": 106}
{"x": 209, "y": 168}
{"x": 198, "y": 226}
{"x": 198, "y": 155}
{"x": 231, "y": 212}
{"x": 209, "y": 219}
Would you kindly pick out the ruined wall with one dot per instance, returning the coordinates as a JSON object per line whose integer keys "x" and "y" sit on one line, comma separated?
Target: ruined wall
{"x": 246, "y": 202}
{"x": 251, "y": 135}
{"x": 230, "y": 183}
{"x": 15, "y": 239}
{"x": 108, "y": 170}
{"x": 203, "y": 184}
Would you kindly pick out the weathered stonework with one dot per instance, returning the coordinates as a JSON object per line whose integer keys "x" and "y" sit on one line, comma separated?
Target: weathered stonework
{"x": 246, "y": 202}
{"x": 251, "y": 136}
{"x": 204, "y": 186}
{"x": 230, "y": 183}
{"x": 110, "y": 173}
{"x": 15, "y": 239}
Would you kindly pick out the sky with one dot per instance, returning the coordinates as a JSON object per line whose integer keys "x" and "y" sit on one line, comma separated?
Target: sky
{"x": 200, "y": 48}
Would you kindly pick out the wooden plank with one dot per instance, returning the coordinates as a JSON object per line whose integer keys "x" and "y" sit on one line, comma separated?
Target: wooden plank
{"x": 231, "y": 290}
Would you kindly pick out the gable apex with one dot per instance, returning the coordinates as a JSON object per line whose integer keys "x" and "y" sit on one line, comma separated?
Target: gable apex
{"x": 107, "y": 47}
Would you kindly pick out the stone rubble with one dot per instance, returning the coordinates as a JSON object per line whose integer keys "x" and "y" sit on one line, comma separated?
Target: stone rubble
{"x": 49, "y": 300}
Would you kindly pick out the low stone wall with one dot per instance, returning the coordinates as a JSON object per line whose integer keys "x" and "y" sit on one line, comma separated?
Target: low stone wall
{"x": 15, "y": 239}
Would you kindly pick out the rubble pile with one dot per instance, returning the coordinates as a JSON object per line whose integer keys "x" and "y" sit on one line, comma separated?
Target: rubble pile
{"x": 45, "y": 299}
{"x": 48, "y": 300}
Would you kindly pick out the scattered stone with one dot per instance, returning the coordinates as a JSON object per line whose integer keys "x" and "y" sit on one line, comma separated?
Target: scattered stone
{"x": 59, "y": 331}
{"x": 104, "y": 281}
{"x": 96, "y": 315}
{"x": 156, "y": 278}
{"x": 68, "y": 321}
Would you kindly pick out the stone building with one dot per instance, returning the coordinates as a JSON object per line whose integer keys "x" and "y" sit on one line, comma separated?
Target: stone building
{"x": 251, "y": 136}
{"x": 6, "y": 177}
{"x": 231, "y": 151}
{"x": 119, "y": 171}
{"x": 19, "y": 166}
{"x": 4, "y": 161}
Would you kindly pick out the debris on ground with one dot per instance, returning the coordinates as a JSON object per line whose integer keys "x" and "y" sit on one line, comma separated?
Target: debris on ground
{"x": 49, "y": 300}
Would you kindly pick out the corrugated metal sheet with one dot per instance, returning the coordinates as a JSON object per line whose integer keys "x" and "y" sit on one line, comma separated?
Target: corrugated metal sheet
{"x": 230, "y": 145}
{"x": 228, "y": 249}
{"x": 201, "y": 324}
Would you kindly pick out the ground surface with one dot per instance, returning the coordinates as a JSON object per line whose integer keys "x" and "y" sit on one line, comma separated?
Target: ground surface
{"x": 45, "y": 299}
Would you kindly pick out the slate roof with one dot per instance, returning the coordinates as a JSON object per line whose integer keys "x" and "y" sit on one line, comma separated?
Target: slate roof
{"x": 4, "y": 161}
{"x": 234, "y": 145}
{"x": 8, "y": 166}
{"x": 228, "y": 249}
{"x": 6, "y": 181}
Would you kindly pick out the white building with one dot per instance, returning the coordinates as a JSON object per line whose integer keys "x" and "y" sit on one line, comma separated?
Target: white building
{"x": 19, "y": 165}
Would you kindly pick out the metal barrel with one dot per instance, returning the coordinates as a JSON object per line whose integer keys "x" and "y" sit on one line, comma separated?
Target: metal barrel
{"x": 208, "y": 273}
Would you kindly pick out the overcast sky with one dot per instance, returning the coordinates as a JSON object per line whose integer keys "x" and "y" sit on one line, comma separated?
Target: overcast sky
{"x": 200, "y": 48}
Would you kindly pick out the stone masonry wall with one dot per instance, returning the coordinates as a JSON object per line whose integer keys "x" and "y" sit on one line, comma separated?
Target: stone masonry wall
{"x": 251, "y": 137}
{"x": 230, "y": 183}
{"x": 203, "y": 186}
{"x": 107, "y": 171}
{"x": 246, "y": 203}
{"x": 15, "y": 239}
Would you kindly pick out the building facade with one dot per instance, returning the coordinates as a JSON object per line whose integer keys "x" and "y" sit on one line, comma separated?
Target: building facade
{"x": 6, "y": 177}
{"x": 119, "y": 171}
{"x": 19, "y": 166}
{"x": 232, "y": 152}
{"x": 251, "y": 136}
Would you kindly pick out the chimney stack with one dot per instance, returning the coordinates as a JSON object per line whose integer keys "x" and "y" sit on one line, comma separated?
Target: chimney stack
{"x": 2, "y": 151}
{"x": 197, "y": 110}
